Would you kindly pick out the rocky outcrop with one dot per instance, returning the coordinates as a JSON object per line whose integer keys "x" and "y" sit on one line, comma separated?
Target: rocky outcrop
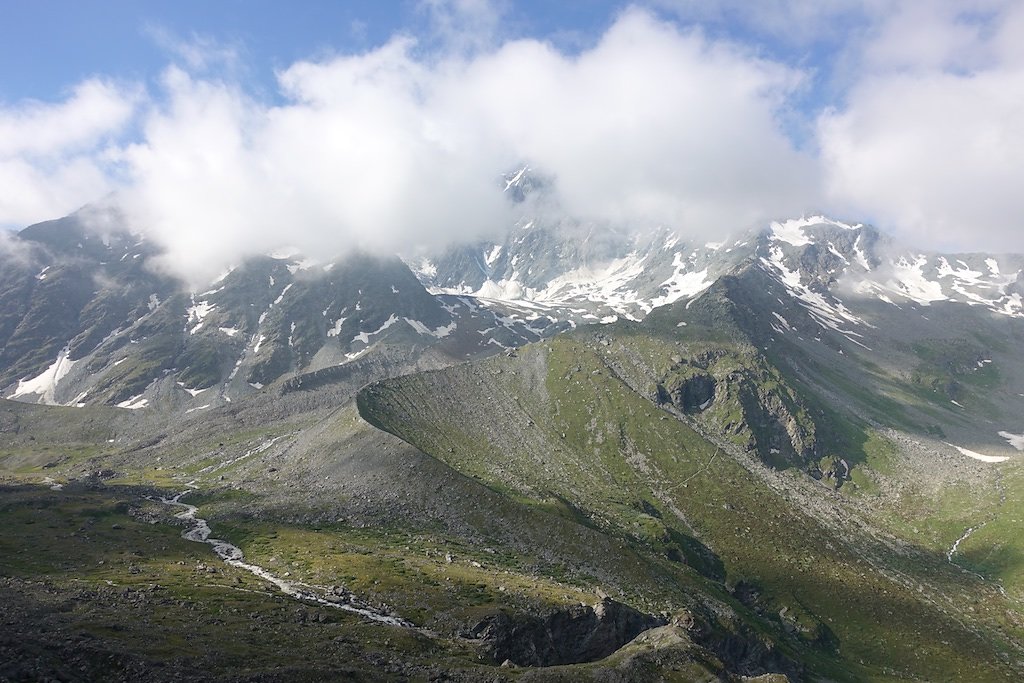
{"x": 691, "y": 393}
{"x": 780, "y": 430}
{"x": 742, "y": 396}
{"x": 580, "y": 633}
{"x": 740, "y": 649}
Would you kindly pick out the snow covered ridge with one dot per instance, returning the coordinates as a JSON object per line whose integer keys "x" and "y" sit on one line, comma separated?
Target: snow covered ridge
{"x": 273, "y": 321}
{"x": 827, "y": 310}
{"x": 611, "y": 285}
{"x": 792, "y": 231}
{"x": 537, "y": 266}
{"x": 539, "y": 279}
{"x": 898, "y": 276}
{"x": 925, "y": 279}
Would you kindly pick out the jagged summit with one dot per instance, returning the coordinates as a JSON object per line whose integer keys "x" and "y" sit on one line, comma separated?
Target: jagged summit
{"x": 85, "y": 320}
{"x": 593, "y": 274}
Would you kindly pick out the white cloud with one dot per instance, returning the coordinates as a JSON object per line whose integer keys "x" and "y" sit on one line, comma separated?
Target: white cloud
{"x": 931, "y": 142}
{"x": 14, "y": 250}
{"x": 32, "y": 193}
{"x": 350, "y": 162}
{"x": 93, "y": 110}
{"x": 393, "y": 147}
{"x": 649, "y": 124}
{"x": 923, "y": 36}
{"x": 197, "y": 52}
{"x": 52, "y": 155}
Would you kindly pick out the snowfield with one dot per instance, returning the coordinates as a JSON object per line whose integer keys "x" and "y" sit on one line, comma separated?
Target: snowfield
{"x": 980, "y": 456}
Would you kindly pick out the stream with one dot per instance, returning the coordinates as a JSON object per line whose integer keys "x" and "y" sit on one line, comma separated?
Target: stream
{"x": 956, "y": 545}
{"x": 952, "y": 551}
{"x": 200, "y": 532}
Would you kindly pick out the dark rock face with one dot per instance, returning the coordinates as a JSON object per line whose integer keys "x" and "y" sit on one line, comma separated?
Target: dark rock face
{"x": 743, "y": 651}
{"x": 578, "y": 634}
{"x": 782, "y": 431}
{"x": 70, "y": 298}
{"x": 742, "y": 394}
{"x": 753, "y": 656}
{"x": 693, "y": 394}
{"x": 585, "y": 634}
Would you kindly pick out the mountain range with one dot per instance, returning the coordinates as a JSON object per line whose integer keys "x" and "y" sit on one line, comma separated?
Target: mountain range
{"x": 571, "y": 453}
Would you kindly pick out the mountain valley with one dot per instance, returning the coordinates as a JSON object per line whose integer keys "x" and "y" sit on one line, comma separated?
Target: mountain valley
{"x": 567, "y": 454}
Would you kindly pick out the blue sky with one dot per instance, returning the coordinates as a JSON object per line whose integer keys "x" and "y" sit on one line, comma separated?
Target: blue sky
{"x": 48, "y": 46}
{"x": 40, "y": 58}
{"x": 233, "y": 124}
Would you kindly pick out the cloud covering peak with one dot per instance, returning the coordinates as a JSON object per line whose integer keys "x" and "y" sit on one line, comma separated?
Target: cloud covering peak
{"x": 930, "y": 143}
{"x": 55, "y": 157}
{"x": 655, "y": 122}
{"x": 392, "y": 147}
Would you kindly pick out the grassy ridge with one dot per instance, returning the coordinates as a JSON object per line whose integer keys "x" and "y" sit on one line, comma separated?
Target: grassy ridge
{"x": 582, "y": 436}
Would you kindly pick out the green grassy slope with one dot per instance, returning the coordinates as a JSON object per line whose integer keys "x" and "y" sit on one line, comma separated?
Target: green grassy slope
{"x": 559, "y": 426}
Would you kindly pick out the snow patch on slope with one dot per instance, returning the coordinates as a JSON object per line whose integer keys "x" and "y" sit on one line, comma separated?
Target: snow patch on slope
{"x": 492, "y": 256}
{"x": 192, "y": 392}
{"x": 196, "y": 313}
{"x": 1015, "y": 440}
{"x": 681, "y": 283}
{"x": 44, "y": 385}
{"x": 365, "y": 336}
{"x": 336, "y": 329}
{"x": 979, "y": 456}
{"x": 134, "y": 403}
{"x": 440, "y": 332}
{"x": 908, "y": 281}
{"x": 859, "y": 255}
{"x": 605, "y": 284}
{"x": 280, "y": 297}
{"x": 514, "y": 180}
{"x": 828, "y": 313}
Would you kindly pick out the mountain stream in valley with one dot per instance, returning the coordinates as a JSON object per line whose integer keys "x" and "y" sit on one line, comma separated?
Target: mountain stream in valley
{"x": 956, "y": 545}
{"x": 200, "y": 532}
